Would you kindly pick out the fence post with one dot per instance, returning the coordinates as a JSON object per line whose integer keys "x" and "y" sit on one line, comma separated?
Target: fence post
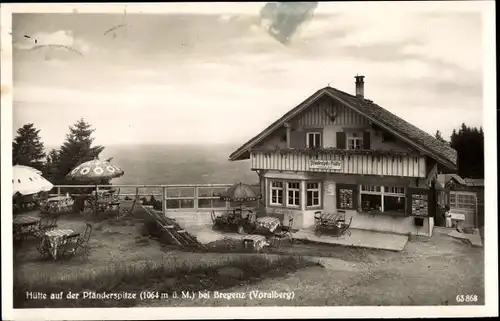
{"x": 195, "y": 198}
{"x": 211, "y": 197}
{"x": 164, "y": 201}
{"x": 58, "y": 191}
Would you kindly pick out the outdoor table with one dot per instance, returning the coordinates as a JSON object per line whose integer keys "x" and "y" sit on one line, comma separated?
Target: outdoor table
{"x": 104, "y": 203}
{"x": 330, "y": 218}
{"x": 57, "y": 238}
{"x": 24, "y": 224}
{"x": 332, "y": 222}
{"x": 57, "y": 204}
{"x": 268, "y": 222}
{"x": 256, "y": 242}
{"x": 233, "y": 220}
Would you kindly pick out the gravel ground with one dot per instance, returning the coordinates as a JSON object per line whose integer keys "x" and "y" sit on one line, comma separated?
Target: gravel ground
{"x": 428, "y": 272}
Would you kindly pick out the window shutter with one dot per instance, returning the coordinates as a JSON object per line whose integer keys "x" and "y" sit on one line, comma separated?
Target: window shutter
{"x": 355, "y": 195}
{"x": 432, "y": 197}
{"x": 341, "y": 140}
{"x": 297, "y": 139}
{"x": 366, "y": 140}
{"x": 408, "y": 201}
{"x": 337, "y": 190}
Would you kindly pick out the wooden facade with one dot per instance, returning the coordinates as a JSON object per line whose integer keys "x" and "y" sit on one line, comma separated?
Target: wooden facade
{"x": 400, "y": 166}
{"x": 328, "y": 112}
{"x": 367, "y": 163}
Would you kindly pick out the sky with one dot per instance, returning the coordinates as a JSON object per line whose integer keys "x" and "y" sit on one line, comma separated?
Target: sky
{"x": 187, "y": 78}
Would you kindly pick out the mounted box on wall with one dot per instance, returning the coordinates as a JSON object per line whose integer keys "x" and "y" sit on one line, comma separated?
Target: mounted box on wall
{"x": 418, "y": 221}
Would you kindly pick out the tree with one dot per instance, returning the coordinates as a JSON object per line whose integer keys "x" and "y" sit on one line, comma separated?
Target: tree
{"x": 76, "y": 150}
{"x": 440, "y": 137}
{"x": 469, "y": 143}
{"x": 27, "y": 148}
{"x": 51, "y": 165}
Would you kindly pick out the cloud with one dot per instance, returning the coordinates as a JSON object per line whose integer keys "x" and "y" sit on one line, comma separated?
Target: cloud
{"x": 461, "y": 88}
{"x": 231, "y": 68}
{"x": 59, "y": 45}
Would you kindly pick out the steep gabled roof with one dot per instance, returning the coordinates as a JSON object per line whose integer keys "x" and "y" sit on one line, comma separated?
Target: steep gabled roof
{"x": 474, "y": 182}
{"x": 443, "y": 179}
{"x": 441, "y": 152}
{"x": 446, "y": 178}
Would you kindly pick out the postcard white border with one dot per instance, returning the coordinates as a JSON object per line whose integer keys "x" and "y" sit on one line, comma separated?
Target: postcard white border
{"x": 491, "y": 253}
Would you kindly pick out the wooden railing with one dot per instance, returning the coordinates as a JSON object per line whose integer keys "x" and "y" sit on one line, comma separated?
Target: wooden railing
{"x": 183, "y": 197}
{"x": 402, "y": 166}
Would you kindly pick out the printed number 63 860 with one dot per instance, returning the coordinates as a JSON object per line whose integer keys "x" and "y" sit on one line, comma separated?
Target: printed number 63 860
{"x": 466, "y": 298}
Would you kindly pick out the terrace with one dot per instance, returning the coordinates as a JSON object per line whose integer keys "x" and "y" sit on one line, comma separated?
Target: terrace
{"x": 125, "y": 257}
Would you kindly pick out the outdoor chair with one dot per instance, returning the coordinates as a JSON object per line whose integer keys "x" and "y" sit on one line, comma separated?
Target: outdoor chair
{"x": 42, "y": 247}
{"x": 317, "y": 218}
{"x": 83, "y": 241}
{"x": 345, "y": 228}
{"x": 40, "y": 198}
{"x": 283, "y": 232}
{"x": 45, "y": 224}
{"x": 343, "y": 218}
{"x": 124, "y": 211}
{"x": 69, "y": 247}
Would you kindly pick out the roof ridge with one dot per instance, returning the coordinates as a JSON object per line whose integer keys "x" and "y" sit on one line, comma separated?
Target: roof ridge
{"x": 418, "y": 137}
{"x": 443, "y": 144}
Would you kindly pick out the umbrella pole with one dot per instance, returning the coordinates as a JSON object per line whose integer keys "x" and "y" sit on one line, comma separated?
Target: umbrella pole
{"x": 96, "y": 199}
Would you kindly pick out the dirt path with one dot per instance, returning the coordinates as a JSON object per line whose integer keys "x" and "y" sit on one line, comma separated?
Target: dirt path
{"x": 426, "y": 273}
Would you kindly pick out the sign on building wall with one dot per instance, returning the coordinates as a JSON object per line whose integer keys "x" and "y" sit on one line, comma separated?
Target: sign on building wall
{"x": 325, "y": 164}
{"x": 330, "y": 189}
{"x": 419, "y": 205}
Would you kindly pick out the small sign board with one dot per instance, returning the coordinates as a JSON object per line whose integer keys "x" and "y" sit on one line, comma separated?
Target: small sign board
{"x": 330, "y": 189}
{"x": 419, "y": 205}
{"x": 325, "y": 164}
{"x": 457, "y": 216}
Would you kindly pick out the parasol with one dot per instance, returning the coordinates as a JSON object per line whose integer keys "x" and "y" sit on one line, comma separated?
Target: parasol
{"x": 27, "y": 180}
{"x": 95, "y": 170}
{"x": 240, "y": 192}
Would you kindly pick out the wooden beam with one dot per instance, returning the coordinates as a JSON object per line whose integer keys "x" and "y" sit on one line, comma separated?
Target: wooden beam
{"x": 288, "y": 134}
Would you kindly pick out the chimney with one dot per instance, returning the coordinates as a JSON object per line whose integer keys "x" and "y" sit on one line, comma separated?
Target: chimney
{"x": 360, "y": 86}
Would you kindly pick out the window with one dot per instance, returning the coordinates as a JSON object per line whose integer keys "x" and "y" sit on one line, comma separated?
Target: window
{"x": 382, "y": 198}
{"x": 387, "y": 137}
{"x": 276, "y": 193}
{"x": 354, "y": 140}
{"x": 289, "y": 191}
{"x": 462, "y": 200}
{"x": 313, "y": 197}
{"x": 293, "y": 191}
{"x": 313, "y": 140}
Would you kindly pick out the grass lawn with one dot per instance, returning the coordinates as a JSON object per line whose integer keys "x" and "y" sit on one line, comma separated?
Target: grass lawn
{"x": 123, "y": 260}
